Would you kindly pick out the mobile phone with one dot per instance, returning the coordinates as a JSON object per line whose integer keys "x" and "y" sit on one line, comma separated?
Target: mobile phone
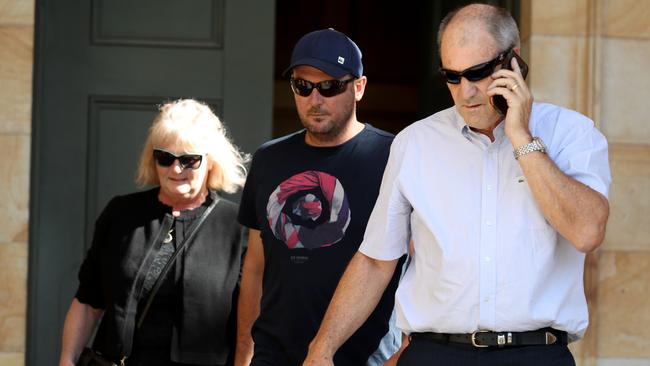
{"x": 498, "y": 101}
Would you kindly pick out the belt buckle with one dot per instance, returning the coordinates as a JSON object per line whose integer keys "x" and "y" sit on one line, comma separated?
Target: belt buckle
{"x": 473, "y": 339}
{"x": 550, "y": 338}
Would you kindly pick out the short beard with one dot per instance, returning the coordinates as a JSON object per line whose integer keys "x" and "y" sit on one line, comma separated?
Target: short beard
{"x": 337, "y": 127}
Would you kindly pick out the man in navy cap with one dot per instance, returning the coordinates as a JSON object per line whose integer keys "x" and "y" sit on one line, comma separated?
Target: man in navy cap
{"x": 307, "y": 201}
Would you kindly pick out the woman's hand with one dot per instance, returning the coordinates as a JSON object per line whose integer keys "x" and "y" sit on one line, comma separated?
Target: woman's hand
{"x": 79, "y": 325}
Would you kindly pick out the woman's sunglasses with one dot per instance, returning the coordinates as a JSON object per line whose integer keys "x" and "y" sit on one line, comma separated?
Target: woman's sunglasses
{"x": 166, "y": 159}
{"x": 476, "y": 72}
{"x": 326, "y": 88}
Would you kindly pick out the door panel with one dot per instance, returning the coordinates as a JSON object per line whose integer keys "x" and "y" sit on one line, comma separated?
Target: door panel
{"x": 101, "y": 68}
{"x": 120, "y": 22}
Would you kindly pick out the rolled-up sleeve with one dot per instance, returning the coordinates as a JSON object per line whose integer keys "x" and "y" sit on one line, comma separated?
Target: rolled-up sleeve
{"x": 583, "y": 152}
{"x": 388, "y": 230}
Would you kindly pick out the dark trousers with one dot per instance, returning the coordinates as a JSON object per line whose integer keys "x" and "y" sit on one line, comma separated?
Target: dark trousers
{"x": 423, "y": 352}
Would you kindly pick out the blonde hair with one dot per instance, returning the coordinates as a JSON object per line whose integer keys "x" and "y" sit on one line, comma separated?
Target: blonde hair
{"x": 194, "y": 126}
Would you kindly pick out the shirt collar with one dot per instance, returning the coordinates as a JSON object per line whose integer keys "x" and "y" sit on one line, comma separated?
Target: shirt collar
{"x": 459, "y": 123}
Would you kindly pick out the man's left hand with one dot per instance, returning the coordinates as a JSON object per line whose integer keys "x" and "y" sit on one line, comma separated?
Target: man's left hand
{"x": 511, "y": 85}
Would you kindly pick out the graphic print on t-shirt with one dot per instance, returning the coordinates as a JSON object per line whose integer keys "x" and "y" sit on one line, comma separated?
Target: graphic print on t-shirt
{"x": 309, "y": 210}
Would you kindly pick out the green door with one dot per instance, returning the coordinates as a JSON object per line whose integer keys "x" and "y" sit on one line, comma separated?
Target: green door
{"x": 101, "y": 67}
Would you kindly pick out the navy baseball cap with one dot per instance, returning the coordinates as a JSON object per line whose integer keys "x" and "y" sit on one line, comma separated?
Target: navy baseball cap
{"x": 329, "y": 51}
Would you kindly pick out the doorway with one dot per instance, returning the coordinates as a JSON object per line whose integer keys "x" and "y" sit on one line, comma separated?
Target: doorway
{"x": 400, "y": 56}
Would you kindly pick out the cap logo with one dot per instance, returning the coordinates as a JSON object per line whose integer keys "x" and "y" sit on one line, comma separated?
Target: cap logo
{"x": 341, "y": 60}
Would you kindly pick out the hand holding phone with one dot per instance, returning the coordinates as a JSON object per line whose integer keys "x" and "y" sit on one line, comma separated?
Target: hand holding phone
{"x": 498, "y": 101}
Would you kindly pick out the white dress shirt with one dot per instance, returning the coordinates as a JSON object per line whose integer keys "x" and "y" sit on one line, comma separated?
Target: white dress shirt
{"x": 485, "y": 258}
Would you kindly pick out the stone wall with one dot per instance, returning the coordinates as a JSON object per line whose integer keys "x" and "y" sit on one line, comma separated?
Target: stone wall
{"x": 16, "y": 38}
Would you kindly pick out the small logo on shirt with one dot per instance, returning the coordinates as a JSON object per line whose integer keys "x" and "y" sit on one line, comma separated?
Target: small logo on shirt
{"x": 299, "y": 259}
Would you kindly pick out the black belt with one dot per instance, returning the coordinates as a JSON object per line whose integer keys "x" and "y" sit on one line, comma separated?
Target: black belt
{"x": 485, "y": 338}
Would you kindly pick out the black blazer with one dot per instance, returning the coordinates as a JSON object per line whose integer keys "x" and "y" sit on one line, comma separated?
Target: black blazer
{"x": 127, "y": 235}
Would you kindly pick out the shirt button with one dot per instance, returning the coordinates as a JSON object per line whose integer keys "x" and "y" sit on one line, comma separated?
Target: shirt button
{"x": 487, "y": 299}
{"x": 488, "y": 223}
{"x": 488, "y": 259}
{"x": 489, "y": 187}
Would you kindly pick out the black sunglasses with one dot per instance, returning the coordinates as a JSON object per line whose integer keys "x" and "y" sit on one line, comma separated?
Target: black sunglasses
{"x": 166, "y": 159}
{"x": 476, "y": 72}
{"x": 326, "y": 88}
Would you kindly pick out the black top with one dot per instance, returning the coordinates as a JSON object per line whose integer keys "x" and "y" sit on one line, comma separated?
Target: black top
{"x": 192, "y": 318}
{"x": 312, "y": 205}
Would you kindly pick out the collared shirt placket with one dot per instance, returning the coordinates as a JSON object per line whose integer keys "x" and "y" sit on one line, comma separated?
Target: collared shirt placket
{"x": 488, "y": 239}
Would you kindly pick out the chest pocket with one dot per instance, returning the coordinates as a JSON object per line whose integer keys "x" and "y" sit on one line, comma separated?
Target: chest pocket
{"x": 521, "y": 205}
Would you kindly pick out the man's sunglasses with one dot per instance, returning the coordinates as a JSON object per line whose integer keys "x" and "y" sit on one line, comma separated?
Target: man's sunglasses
{"x": 166, "y": 159}
{"x": 476, "y": 72}
{"x": 326, "y": 88}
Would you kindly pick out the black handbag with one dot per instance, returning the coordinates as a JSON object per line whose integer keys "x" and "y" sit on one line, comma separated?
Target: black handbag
{"x": 90, "y": 357}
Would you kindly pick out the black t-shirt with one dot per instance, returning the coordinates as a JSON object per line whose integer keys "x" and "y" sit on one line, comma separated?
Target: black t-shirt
{"x": 312, "y": 205}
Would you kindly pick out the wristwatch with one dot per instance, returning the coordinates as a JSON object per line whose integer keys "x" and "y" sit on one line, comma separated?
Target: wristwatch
{"x": 535, "y": 145}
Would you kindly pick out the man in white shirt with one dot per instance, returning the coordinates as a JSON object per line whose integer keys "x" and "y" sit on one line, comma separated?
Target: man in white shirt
{"x": 501, "y": 209}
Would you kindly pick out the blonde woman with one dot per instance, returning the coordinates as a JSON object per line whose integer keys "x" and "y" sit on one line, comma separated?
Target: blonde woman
{"x": 188, "y": 157}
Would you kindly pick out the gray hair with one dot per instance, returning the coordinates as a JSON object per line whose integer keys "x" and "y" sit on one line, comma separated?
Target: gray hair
{"x": 497, "y": 20}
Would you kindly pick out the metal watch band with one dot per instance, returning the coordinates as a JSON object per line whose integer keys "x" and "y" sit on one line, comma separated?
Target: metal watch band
{"x": 535, "y": 145}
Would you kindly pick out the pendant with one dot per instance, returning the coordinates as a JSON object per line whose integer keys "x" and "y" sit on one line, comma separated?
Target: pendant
{"x": 168, "y": 237}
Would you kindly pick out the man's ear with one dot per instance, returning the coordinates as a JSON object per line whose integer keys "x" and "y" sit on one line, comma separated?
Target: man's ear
{"x": 360, "y": 87}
